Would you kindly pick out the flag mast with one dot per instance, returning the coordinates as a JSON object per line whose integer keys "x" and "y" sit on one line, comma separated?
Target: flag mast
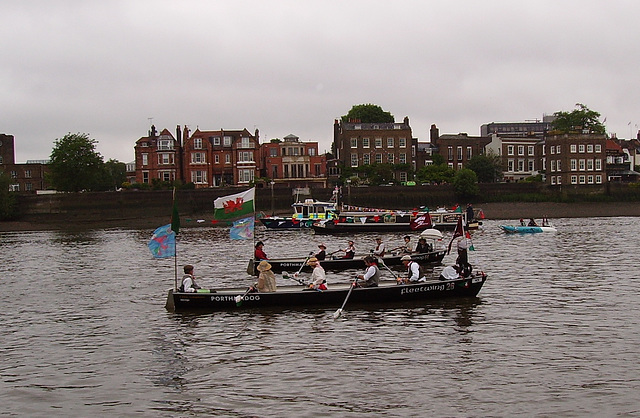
{"x": 175, "y": 227}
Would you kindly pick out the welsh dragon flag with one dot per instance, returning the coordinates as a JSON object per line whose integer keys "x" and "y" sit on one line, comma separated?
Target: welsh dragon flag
{"x": 235, "y": 205}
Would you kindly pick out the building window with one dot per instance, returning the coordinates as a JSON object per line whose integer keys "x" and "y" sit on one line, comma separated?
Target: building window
{"x": 520, "y": 165}
{"x": 197, "y": 143}
{"x": 274, "y": 171}
{"x": 510, "y": 166}
{"x": 530, "y": 165}
{"x": 598, "y": 148}
{"x": 552, "y": 149}
{"x": 244, "y": 142}
{"x": 390, "y": 158}
{"x": 403, "y": 176}
{"x": 574, "y": 148}
{"x": 227, "y": 141}
{"x": 590, "y": 165}
{"x": 366, "y": 159}
{"x": 590, "y": 179}
{"x": 354, "y": 142}
{"x": 403, "y": 158}
{"x": 165, "y": 158}
{"x": 553, "y": 180}
{"x": 28, "y": 187}
{"x": 582, "y": 180}
{"x": 27, "y": 174}
{"x": 245, "y": 176}
{"x": 469, "y": 153}
{"x": 1, "y": 160}
{"x": 245, "y": 156}
{"x": 510, "y": 149}
{"x": 450, "y": 153}
{"x": 354, "y": 160}
{"x": 199, "y": 177}
{"x": 598, "y": 164}
{"x": 14, "y": 187}
{"x": 378, "y": 158}
{"x": 558, "y": 166}
{"x": 145, "y": 177}
{"x": 558, "y": 152}
{"x": 365, "y": 142}
{"x": 598, "y": 179}
{"x": 165, "y": 144}
{"x": 459, "y": 153}
{"x": 553, "y": 165}
{"x": 198, "y": 158}
{"x": 378, "y": 142}
{"x": 216, "y": 140}
{"x": 216, "y": 159}
{"x": 581, "y": 148}
{"x": 530, "y": 150}
{"x": 227, "y": 158}
{"x": 273, "y": 152}
{"x": 520, "y": 149}
{"x": 318, "y": 168}
{"x": 581, "y": 165}
{"x": 390, "y": 143}
{"x": 590, "y": 148}
{"x": 574, "y": 164}
{"x": 459, "y": 166}
{"x": 402, "y": 142}
{"x": 165, "y": 175}
{"x": 559, "y": 181}
{"x": 574, "y": 179}
{"x": 145, "y": 159}
{"x": 311, "y": 152}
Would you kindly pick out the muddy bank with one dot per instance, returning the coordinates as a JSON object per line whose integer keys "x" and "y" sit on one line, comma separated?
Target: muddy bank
{"x": 491, "y": 211}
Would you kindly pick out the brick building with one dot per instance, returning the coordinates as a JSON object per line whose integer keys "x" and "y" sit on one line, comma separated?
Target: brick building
{"x": 575, "y": 159}
{"x": 29, "y": 177}
{"x": 293, "y": 163}
{"x": 358, "y": 144}
{"x": 457, "y": 149}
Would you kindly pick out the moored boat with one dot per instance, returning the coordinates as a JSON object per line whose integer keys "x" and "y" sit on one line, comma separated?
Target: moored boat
{"x": 351, "y": 222}
{"x": 296, "y": 296}
{"x": 304, "y": 215}
{"x": 518, "y": 229}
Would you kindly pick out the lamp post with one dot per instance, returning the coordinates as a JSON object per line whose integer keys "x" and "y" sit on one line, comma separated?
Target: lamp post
{"x": 272, "y": 200}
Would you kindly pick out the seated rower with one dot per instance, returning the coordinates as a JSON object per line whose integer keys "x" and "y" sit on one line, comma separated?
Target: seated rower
{"x": 372, "y": 275}
{"x": 189, "y": 284}
{"x": 349, "y": 251}
{"x": 318, "y": 277}
{"x": 450, "y": 273}
{"x": 423, "y": 247}
{"x": 532, "y": 222}
{"x": 413, "y": 270}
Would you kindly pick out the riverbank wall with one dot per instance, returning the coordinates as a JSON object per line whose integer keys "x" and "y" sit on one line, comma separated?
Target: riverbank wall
{"x": 149, "y": 209}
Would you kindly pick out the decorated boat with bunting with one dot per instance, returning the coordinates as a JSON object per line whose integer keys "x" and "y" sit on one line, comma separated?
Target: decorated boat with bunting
{"x": 374, "y": 220}
{"x": 304, "y": 215}
{"x": 286, "y": 297}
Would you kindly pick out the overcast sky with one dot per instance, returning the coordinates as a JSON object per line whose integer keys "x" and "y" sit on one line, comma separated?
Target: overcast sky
{"x": 106, "y": 67}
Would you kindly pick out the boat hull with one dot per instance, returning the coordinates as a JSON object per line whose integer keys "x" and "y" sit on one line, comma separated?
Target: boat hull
{"x": 287, "y": 223}
{"x": 340, "y": 264}
{"x": 295, "y": 296}
{"x": 510, "y": 229}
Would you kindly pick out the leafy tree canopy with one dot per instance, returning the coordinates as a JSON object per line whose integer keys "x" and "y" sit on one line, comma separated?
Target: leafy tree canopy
{"x": 435, "y": 173}
{"x": 7, "y": 198}
{"x": 581, "y": 118}
{"x": 465, "y": 184}
{"x": 368, "y": 113}
{"x": 75, "y": 165}
{"x": 488, "y": 168}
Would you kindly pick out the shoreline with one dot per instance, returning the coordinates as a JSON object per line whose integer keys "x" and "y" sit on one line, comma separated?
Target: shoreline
{"x": 507, "y": 211}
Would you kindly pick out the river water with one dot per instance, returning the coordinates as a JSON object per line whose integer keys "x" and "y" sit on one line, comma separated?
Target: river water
{"x": 554, "y": 332}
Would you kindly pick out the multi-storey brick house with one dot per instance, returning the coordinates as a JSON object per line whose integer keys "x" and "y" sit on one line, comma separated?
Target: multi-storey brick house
{"x": 358, "y": 144}
{"x": 520, "y": 155}
{"x": 294, "y": 163}
{"x": 457, "y": 149}
{"x": 575, "y": 159}
{"x": 29, "y": 177}
{"x": 158, "y": 156}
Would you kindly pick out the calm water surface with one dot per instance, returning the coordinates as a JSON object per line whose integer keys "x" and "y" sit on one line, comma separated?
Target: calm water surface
{"x": 554, "y": 332}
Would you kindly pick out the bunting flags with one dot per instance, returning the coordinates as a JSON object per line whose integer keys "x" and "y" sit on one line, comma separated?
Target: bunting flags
{"x": 163, "y": 242}
{"x": 467, "y": 235}
{"x": 243, "y": 228}
{"x": 235, "y": 205}
{"x": 458, "y": 232}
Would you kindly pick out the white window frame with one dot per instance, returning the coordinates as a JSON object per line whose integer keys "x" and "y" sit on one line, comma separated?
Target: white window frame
{"x": 365, "y": 143}
{"x": 354, "y": 159}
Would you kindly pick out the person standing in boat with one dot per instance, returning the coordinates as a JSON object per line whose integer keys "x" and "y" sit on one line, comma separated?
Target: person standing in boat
{"x": 189, "y": 284}
{"x": 350, "y": 251}
{"x": 371, "y": 276}
{"x": 413, "y": 270}
{"x": 380, "y": 248}
{"x": 266, "y": 278}
{"x": 463, "y": 257}
{"x": 318, "y": 276}
{"x": 470, "y": 214}
{"x": 322, "y": 254}
{"x": 259, "y": 253}
{"x": 532, "y": 222}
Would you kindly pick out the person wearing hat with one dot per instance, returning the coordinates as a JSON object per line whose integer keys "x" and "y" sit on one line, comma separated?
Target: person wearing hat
{"x": 422, "y": 246}
{"x": 380, "y": 248}
{"x": 189, "y": 280}
{"x": 266, "y": 278}
{"x": 318, "y": 277}
{"x": 413, "y": 270}
{"x": 350, "y": 251}
{"x": 322, "y": 254}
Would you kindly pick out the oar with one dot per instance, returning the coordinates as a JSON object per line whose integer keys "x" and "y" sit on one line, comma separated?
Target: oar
{"x": 390, "y": 271}
{"x": 337, "y": 313}
{"x": 286, "y": 274}
{"x": 240, "y": 298}
{"x": 304, "y": 263}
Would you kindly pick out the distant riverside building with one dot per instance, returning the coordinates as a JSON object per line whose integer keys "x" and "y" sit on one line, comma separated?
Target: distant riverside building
{"x": 29, "y": 177}
{"x": 293, "y": 163}
{"x": 521, "y": 156}
{"x": 533, "y": 128}
{"x": 457, "y": 149}
{"x": 358, "y": 144}
{"x": 576, "y": 159}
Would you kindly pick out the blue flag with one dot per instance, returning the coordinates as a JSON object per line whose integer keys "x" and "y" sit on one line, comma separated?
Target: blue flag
{"x": 163, "y": 242}
{"x": 243, "y": 228}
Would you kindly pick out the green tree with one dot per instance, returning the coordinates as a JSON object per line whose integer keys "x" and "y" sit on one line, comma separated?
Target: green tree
{"x": 437, "y": 159}
{"x": 368, "y": 113}
{"x": 115, "y": 174}
{"x": 75, "y": 165}
{"x": 465, "y": 184}
{"x": 581, "y": 118}
{"x": 488, "y": 168}
{"x": 435, "y": 173}
{"x": 7, "y": 198}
